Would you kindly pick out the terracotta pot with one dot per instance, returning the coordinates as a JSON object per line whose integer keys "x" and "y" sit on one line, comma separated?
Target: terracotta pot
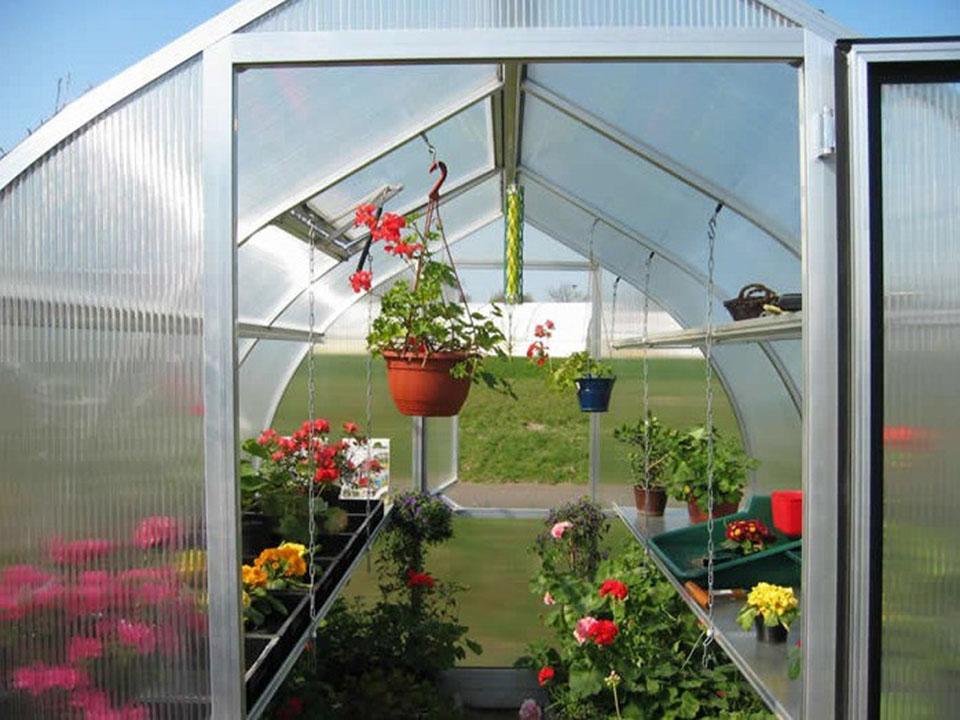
{"x": 719, "y": 510}
{"x": 425, "y": 387}
{"x": 650, "y": 502}
{"x": 775, "y": 635}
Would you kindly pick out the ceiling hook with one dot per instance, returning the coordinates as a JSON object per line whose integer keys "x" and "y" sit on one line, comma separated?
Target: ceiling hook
{"x": 435, "y": 190}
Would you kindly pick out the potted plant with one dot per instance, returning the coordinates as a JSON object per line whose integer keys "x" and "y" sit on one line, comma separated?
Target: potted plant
{"x": 771, "y": 609}
{"x": 747, "y": 536}
{"x": 274, "y": 494}
{"x": 275, "y": 571}
{"x": 689, "y": 480}
{"x": 592, "y": 378}
{"x": 651, "y": 439}
{"x": 434, "y": 346}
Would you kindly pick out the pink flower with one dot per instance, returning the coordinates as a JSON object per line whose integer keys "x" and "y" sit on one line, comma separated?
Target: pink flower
{"x": 156, "y": 531}
{"x": 548, "y": 599}
{"x": 39, "y": 678}
{"x": 139, "y": 636}
{"x": 560, "y": 528}
{"x": 84, "y": 648}
{"x": 20, "y": 576}
{"x": 78, "y": 552}
{"x": 530, "y": 710}
{"x": 583, "y": 628}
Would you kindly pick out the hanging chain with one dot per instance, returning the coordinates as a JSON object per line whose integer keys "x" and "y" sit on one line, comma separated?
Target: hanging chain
{"x": 311, "y": 415}
{"x": 645, "y": 376}
{"x": 708, "y": 372}
{"x": 368, "y": 428}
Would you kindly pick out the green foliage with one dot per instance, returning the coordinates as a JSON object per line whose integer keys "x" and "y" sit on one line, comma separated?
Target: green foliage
{"x": 578, "y": 550}
{"x": 420, "y": 320}
{"x": 656, "y": 652}
{"x": 563, "y": 376}
{"x": 730, "y": 467}
{"x": 662, "y": 442}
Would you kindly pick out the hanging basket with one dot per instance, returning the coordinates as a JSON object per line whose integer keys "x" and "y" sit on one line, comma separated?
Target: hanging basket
{"x": 594, "y": 393}
{"x": 424, "y": 387}
{"x": 749, "y": 303}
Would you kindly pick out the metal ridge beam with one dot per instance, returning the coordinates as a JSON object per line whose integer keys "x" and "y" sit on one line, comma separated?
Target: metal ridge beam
{"x": 664, "y": 162}
{"x": 265, "y": 332}
{"x": 312, "y": 188}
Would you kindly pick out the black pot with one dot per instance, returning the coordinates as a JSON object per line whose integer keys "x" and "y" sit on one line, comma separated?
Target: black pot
{"x": 775, "y": 635}
{"x": 257, "y": 531}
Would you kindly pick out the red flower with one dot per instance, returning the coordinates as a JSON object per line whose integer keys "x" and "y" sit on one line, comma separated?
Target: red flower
{"x": 37, "y": 679}
{"x": 615, "y": 588}
{"x": 139, "y": 636}
{"x": 156, "y": 531}
{"x": 549, "y": 324}
{"x": 84, "y": 648}
{"x": 267, "y": 436}
{"x": 366, "y": 215}
{"x": 361, "y": 280}
{"x": 603, "y": 632}
{"x": 351, "y": 428}
{"x": 389, "y": 228}
{"x": 292, "y": 708}
{"x": 545, "y": 675}
{"x": 78, "y": 552}
{"x": 416, "y": 579}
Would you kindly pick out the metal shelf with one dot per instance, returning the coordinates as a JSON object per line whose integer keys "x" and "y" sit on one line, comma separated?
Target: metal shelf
{"x": 763, "y": 665}
{"x": 775, "y": 327}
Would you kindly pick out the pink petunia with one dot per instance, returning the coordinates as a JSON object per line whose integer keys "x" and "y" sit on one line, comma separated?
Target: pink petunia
{"x": 139, "y": 636}
{"x": 78, "y": 552}
{"x": 84, "y": 648}
{"x": 39, "y": 678}
{"x": 21, "y": 576}
{"x": 156, "y": 531}
{"x": 560, "y": 528}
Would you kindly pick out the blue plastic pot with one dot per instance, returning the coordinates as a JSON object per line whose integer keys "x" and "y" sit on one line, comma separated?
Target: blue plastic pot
{"x": 594, "y": 393}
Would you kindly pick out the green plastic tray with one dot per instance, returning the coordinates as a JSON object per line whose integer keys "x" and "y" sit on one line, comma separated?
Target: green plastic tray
{"x": 684, "y": 550}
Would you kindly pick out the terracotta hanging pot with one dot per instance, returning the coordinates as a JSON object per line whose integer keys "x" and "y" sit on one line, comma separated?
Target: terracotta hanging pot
{"x": 719, "y": 510}
{"x": 424, "y": 386}
{"x": 650, "y": 501}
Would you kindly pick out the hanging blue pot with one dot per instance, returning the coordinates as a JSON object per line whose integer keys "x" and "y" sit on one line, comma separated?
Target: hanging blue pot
{"x": 594, "y": 393}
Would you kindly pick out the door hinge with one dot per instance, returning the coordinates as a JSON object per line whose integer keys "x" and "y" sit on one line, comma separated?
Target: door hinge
{"x": 828, "y": 133}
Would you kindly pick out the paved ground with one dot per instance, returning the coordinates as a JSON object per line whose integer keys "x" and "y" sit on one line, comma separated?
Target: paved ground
{"x": 531, "y": 495}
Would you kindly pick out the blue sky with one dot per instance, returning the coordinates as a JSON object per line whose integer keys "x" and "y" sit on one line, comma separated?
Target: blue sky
{"x": 43, "y": 40}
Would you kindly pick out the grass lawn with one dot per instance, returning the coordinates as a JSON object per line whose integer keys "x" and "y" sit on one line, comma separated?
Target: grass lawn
{"x": 491, "y": 558}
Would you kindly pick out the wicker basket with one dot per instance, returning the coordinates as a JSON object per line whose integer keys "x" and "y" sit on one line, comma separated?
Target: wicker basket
{"x": 749, "y": 303}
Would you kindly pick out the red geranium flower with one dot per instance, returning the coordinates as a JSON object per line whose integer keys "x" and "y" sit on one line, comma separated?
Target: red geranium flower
{"x": 361, "y": 280}
{"x": 615, "y": 588}
{"x": 416, "y": 579}
{"x": 351, "y": 428}
{"x": 389, "y": 228}
{"x": 292, "y": 708}
{"x": 545, "y": 675}
{"x": 603, "y": 632}
{"x": 366, "y": 215}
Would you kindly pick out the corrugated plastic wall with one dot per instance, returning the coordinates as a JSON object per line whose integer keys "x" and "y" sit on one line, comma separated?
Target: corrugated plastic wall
{"x": 319, "y": 15}
{"x": 102, "y": 582}
{"x": 920, "y": 146}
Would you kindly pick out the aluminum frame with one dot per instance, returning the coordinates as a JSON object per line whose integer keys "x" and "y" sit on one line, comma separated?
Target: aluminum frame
{"x": 781, "y": 44}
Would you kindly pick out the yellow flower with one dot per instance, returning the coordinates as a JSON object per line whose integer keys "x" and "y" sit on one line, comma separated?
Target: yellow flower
{"x": 301, "y": 550}
{"x": 254, "y": 576}
{"x": 191, "y": 562}
{"x": 246, "y": 599}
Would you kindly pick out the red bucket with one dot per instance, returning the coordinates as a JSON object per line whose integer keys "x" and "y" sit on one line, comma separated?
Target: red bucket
{"x": 787, "y": 508}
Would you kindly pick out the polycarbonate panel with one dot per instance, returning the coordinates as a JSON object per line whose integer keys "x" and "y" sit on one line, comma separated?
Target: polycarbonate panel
{"x": 642, "y": 197}
{"x": 461, "y": 216}
{"x": 920, "y": 166}
{"x": 262, "y": 381}
{"x": 769, "y": 421}
{"x": 301, "y": 129}
{"x": 790, "y": 354}
{"x": 102, "y": 578}
{"x": 468, "y": 14}
{"x": 440, "y": 461}
{"x": 464, "y": 143}
{"x": 704, "y": 116}
{"x": 272, "y": 267}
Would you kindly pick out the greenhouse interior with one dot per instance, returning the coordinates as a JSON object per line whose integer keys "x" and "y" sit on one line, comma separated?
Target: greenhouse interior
{"x": 484, "y": 359}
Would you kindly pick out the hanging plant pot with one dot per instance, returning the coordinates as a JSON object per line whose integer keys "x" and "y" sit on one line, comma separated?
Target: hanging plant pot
{"x": 594, "y": 393}
{"x": 787, "y": 509}
{"x": 719, "y": 510}
{"x": 424, "y": 386}
{"x": 776, "y": 634}
{"x": 650, "y": 501}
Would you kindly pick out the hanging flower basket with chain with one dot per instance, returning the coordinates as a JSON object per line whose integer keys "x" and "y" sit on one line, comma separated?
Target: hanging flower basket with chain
{"x": 434, "y": 346}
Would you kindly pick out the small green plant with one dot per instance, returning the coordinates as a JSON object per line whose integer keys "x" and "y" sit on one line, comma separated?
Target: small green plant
{"x": 663, "y": 446}
{"x": 563, "y": 375}
{"x": 730, "y": 467}
{"x": 421, "y": 319}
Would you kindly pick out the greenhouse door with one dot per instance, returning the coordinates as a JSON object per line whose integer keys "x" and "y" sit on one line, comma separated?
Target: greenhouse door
{"x": 899, "y": 131}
